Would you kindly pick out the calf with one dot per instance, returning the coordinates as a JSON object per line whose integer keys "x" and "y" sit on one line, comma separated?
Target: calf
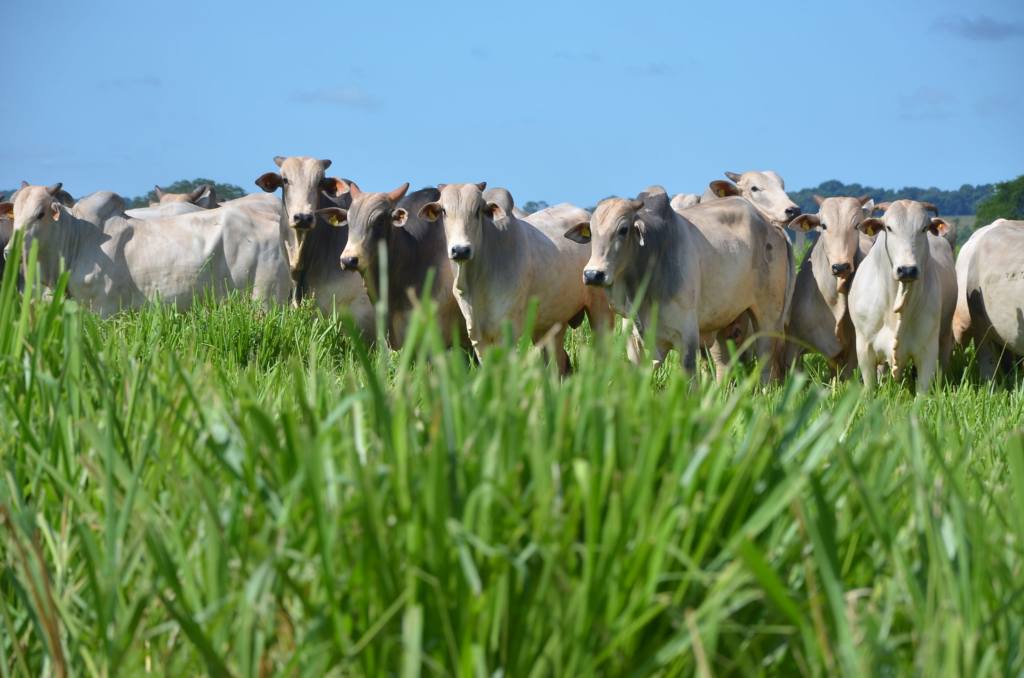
{"x": 904, "y": 294}
{"x": 501, "y": 262}
{"x": 990, "y": 303}
{"x": 311, "y": 246}
{"x": 820, "y": 320}
{"x": 119, "y": 263}
{"x": 414, "y": 247}
{"x": 706, "y": 269}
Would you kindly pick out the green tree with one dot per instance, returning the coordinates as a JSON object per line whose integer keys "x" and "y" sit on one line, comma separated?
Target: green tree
{"x": 535, "y": 206}
{"x": 1007, "y": 202}
{"x": 224, "y": 191}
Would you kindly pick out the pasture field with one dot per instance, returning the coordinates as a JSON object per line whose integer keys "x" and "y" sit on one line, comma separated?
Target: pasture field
{"x": 241, "y": 492}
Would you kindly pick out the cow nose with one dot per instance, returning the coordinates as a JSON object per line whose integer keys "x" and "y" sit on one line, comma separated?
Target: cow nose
{"x": 594, "y": 277}
{"x": 841, "y": 269}
{"x": 303, "y": 220}
{"x": 906, "y": 273}
{"x": 350, "y": 263}
{"x": 792, "y": 212}
{"x": 461, "y": 252}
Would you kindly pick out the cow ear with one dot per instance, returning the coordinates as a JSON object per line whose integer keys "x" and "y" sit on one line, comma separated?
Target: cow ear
{"x": 56, "y": 207}
{"x": 808, "y": 222}
{"x": 641, "y": 228}
{"x": 400, "y": 217}
{"x": 818, "y": 199}
{"x": 7, "y": 209}
{"x": 333, "y": 186}
{"x": 579, "y": 233}
{"x": 335, "y": 216}
{"x": 269, "y": 182}
{"x": 430, "y": 212}
{"x": 440, "y": 187}
{"x": 871, "y": 226}
{"x": 939, "y": 226}
{"x": 494, "y": 210}
{"x": 868, "y": 206}
{"x": 724, "y": 189}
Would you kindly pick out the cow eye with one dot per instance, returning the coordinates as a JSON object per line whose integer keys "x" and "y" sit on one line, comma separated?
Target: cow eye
{"x": 443, "y": 212}
{"x": 754, "y": 189}
{"x": 823, "y": 227}
{"x": 623, "y": 231}
{"x": 285, "y": 181}
{"x": 889, "y": 228}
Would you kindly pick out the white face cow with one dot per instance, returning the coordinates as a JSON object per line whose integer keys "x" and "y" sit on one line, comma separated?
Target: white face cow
{"x": 464, "y": 210}
{"x": 614, "y": 234}
{"x": 837, "y": 221}
{"x": 765, "y": 190}
{"x": 301, "y": 180}
{"x": 906, "y": 224}
{"x": 34, "y": 209}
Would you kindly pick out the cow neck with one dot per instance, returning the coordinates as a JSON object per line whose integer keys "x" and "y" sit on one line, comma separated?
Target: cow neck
{"x": 647, "y": 257}
{"x": 891, "y": 287}
{"x": 827, "y": 283}
{"x": 63, "y": 239}
{"x": 497, "y": 259}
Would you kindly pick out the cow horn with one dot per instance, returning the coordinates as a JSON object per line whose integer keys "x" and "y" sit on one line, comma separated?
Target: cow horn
{"x": 818, "y": 199}
{"x": 482, "y": 186}
{"x": 198, "y": 193}
{"x": 863, "y": 200}
{"x": 279, "y": 160}
{"x": 397, "y": 194}
{"x": 52, "y": 190}
{"x": 159, "y": 192}
{"x": 880, "y": 206}
{"x": 735, "y": 178}
{"x": 325, "y": 164}
{"x": 931, "y": 208}
{"x": 636, "y": 205}
{"x": 24, "y": 184}
{"x": 353, "y": 189}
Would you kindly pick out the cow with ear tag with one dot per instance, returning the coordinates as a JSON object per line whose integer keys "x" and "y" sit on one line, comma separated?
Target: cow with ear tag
{"x": 311, "y": 244}
{"x": 703, "y": 271}
{"x": 7, "y": 225}
{"x": 820, "y": 320}
{"x": 413, "y": 247}
{"x": 501, "y": 262}
{"x": 904, "y": 294}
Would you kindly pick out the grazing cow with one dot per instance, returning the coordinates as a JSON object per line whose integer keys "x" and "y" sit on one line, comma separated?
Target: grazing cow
{"x": 706, "y": 269}
{"x": 991, "y": 267}
{"x": 904, "y": 294}
{"x": 312, "y": 247}
{"x": 500, "y": 262}
{"x": 413, "y": 248}
{"x": 820, "y": 320}
{"x": 120, "y": 263}
{"x": 684, "y": 200}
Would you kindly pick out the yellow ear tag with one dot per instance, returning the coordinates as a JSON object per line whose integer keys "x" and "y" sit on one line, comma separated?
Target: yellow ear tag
{"x": 721, "y": 193}
{"x": 334, "y": 221}
{"x": 10, "y": 215}
{"x": 585, "y": 232}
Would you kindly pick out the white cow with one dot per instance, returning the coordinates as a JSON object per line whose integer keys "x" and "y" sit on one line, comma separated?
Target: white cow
{"x": 904, "y": 294}
{"x": 820, "y": 320}
{"x": 501, "y": 262}
{"x": 261, "y": 202}
{"x": 312, "y": 246}
{"x": 992, "y": 269}
{"x": 120, "y": 263}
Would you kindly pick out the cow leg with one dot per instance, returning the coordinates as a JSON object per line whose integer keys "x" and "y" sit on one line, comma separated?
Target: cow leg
{"x": 559, "y": 352}
{"x": 945, "y": 349}
{"x": 926, "y": 364}
{"x": 720, "y": 355}
{"x": 634, "y": 344}
{"x": 868, "y": 363}
{"x": 767, "y": 347}
{"x": 983, "y": 353}
{"x": 689, "y": 344}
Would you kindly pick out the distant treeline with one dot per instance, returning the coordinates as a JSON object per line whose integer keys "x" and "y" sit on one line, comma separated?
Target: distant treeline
{"x": 963, "y": 201}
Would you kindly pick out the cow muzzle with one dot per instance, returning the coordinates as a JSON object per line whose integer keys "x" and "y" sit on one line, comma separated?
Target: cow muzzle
{"x": 907, "y": 274}
{"x": 302, "y": 221}
{"x": 595, "y": 278}
{"x": 842, "y": 270}
{"x": 349, "y": 263}
{"x": 460, "y": 252}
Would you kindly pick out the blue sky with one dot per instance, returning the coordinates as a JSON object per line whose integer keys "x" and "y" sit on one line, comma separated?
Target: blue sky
{"x": 555, "y": 101}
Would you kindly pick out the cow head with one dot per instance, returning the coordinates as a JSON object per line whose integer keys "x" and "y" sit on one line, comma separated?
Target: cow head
{"x": 614, "y": 233}
{"x": 166, "y": 198}
{"x": 764, "y": 190}
{"x": 370, "y": 220}
{"x": 905, "y": 224}
{"x": 301, "y": 180}
{"x": 35, "y": 211}
{"x": 684, "y": 200}
{"x": 464, "y": 210}
{"x": 837, "y": 221}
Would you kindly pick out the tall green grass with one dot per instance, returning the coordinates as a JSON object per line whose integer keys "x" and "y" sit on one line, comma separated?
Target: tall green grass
{"x": 245, "y": 492}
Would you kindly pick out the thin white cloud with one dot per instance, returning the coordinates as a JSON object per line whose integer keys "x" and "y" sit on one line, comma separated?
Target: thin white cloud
{"x": 926, "y": 103}
{"x": 353, "y": 96}
{"x": 983, "y": 28}
{"x": 1000, "y": 104}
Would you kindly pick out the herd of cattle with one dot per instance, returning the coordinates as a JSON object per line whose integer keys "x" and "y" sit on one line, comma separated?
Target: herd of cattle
{"x": 717, "y": 267}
